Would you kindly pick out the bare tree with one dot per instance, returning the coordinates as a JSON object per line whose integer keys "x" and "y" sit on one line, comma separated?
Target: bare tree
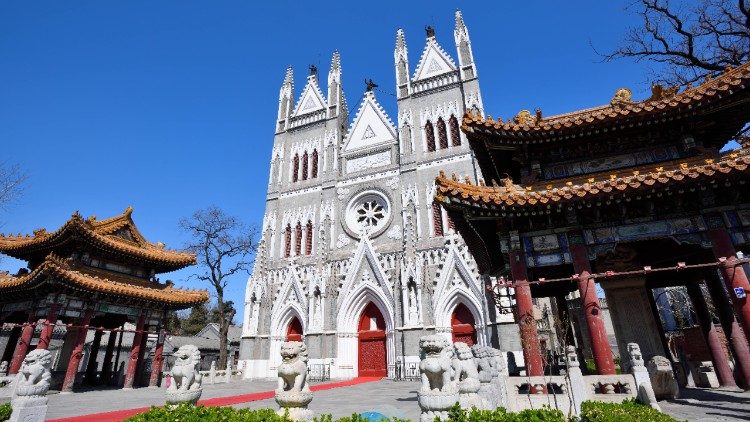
{"x": 12, "y": 181}
{"x": 690, "y": 41}
{"x": 224, "y": 247}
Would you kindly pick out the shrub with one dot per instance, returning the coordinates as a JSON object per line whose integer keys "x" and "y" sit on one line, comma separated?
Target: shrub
{"x": 5, "y": 411}
{"x": 627, "y": 411}
{"x": 190, "y": 413}
{"x": 545, "y": 414}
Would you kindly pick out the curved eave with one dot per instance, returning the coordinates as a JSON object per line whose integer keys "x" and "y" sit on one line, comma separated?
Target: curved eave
{"x": 460, "y": 195}
{"x": 56, "y": 271}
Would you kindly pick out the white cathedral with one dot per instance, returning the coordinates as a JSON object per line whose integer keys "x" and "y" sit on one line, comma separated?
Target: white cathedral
{"x": 355, "y": 258}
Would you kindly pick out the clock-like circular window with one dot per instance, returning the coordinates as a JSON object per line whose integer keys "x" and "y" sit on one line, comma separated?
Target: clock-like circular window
{"x": 369, "y": 211}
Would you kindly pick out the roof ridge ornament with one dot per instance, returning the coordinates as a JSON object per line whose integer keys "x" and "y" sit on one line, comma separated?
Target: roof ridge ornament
{"x": 622, "y": 96}
{"x": 430, "y": 31}
{"x": 370, "y": 85}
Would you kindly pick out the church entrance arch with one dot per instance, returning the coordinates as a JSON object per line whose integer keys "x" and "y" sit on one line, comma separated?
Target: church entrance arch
{"x": 294, "y": 330}
{"x": 463, "y": 325}
{"x": 372, "y": 343}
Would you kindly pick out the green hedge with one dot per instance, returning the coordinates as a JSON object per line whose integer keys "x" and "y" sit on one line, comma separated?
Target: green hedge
{"x": 5, "y": 411}
{"x": 627, "y": 411}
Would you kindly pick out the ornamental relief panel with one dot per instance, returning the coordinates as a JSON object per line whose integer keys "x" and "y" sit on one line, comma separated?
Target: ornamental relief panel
{"x": 379, "y": 159}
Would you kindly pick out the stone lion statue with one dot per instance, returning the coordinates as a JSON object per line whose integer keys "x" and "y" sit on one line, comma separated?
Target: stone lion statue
{"x": 467, "y": 376}
{"x": 34, "y": 376}
{"x": 186, "y": 379}
{"x": 439, "y": 390}
{"x": 662, "y": 378}
{"x": 293, "y": 392}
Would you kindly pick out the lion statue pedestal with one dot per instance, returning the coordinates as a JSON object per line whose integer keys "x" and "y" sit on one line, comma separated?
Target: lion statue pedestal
{"x": 29, "y": 401}
{"x": 186, "y": 379}
{"x": 293, "y": 393}
{"x": 439, "y": 391}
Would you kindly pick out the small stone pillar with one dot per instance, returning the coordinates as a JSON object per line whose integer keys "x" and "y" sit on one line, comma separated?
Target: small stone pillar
{"x": 532, "y": 353}
{"x": 293, "y": 393}
{"x": 23, "y": 344}
{"x": 186, "y": 385}
{"x": 641, "y": 377}
{"x": 439, "y": 391}
{"x": 228, "y": 373}
{"x": 29, "y": 401}
{"x": 577, "y": 384}
{"x": 212, "y": 373}
{"x": 135, "y": 353}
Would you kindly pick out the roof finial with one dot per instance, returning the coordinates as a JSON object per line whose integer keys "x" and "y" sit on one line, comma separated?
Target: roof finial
{"x": 370, "y": 85}
{"x": 313, "y": 70}
{"x": 430, "y": 31}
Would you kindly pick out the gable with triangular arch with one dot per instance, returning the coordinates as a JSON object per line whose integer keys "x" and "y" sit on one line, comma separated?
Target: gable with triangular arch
{"x": 365, "y": 264}
{"x": 311, "y": 100}
{"x": 371, "y": 126}
{"x": 434, "y": 61}
{"x": 291, "y": 292}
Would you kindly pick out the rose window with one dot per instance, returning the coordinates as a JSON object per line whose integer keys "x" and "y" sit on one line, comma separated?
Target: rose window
{"x": 369, "y": 211}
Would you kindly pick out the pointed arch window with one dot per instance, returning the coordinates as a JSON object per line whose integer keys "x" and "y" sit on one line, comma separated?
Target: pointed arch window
{"x": 437, "y": 219}
{"x": 298, "y": 239}
{"x": 288, "y": 241}
{"x": 314, "y": 165}
{"x": 442, "y": 134}
{"x": 304, "y": 166}
{"x": 308, "y": 237}
{"x": 295, "y": 168}
{"x": 455, "y": 133}
{"x": 429, "y": 132}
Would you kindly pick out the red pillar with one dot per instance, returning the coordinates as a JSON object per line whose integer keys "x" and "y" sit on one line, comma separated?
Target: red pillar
{"x": 734, "y": 275}
{"x": 158, "y": 358}
{"x": 48, "y": 327}
{"x": 75, "y": 357}
{"x": 605, "y": 365}
{"x": 135, "y": 352}
{"x": 23, "y": 344}
{"x": 525, "y": 313}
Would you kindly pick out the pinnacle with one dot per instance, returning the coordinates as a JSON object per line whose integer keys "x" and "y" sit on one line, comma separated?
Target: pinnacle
{"x": 400, "y": 40}
{"x": 459, "y": 21}
{"x": 289, "y": 78}
{"x": 335, "y": 61}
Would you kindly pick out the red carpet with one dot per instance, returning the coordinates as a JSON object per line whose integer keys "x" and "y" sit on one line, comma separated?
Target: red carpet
{"x": 119, "y": 415}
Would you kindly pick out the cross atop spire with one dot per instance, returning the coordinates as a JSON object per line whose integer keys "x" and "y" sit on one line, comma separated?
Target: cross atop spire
{"x": 313, "y": 70}
{"x": 430, "y": 31}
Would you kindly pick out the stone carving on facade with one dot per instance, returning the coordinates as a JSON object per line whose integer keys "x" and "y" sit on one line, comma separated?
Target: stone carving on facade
{"x": 393, "y": 183}
{"x": 662, "y": 378}
{"x": 29, "y": 400}
{"x": 439, "y": 390}
{"x": 466, "y": 374}
{"x": 186, "y": 379}
{"x": 394, "y": 232}
{"x": 368, "y": 162}
{"x": 343, "y": 240}
{"x": 293, "y": 392}
{"x": 342, "y": 193}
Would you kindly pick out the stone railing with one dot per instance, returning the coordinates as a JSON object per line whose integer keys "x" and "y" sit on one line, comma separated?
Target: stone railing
{"x": 306, "y": 119}
{"x": 435, "y": 82}
{"x": 535, "y": 392}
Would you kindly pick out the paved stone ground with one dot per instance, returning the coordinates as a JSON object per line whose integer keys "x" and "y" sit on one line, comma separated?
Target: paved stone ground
{"x": 387, "y": 397}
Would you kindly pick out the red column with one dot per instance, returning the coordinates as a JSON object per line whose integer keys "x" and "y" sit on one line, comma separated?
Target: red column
{"x": 48, "y": 327}
{"x": 135, "y": 352}
{"x": 158, "y": 358}
{"x": 525, "y": 313}
{"x": 605, "y": 365}
{"x": 23, "y": 344}
{"x": 734, "y": 275}
{"x": 77, "y": 354}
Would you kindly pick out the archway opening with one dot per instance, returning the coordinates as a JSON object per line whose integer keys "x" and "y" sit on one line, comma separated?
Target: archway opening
{"x": 372, "y": 347}
{"x": 294, "y": 330}
{"x": 462, "y": 325}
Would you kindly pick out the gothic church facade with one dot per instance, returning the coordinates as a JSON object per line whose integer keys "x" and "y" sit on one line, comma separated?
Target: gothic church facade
{"x": 355, "y": 258}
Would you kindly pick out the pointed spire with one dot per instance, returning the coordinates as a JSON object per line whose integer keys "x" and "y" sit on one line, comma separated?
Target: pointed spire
{"x": 335, "y": 62}
{"x": 400, "y": 40}
{"x": 460, "y": 26}
{"x": 463, "y": 45}
{"x": 286, "y": 94}
{"x": 289, "y": 78}
{"x": 401, "y": 59}
{"x": 335, "y": 90}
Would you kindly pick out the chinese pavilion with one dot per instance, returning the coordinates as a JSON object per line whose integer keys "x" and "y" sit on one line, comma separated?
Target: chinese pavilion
{"x": 633, "y": 195}
{"x": 91, "y": 274}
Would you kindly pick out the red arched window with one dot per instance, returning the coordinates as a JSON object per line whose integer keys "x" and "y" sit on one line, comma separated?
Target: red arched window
{"x": 442, "y": 134}
{"x": 298, "y": 239}
{"x": 294, "y": 330}
{"x": 455, "y": 133}
{"x": 288, "y": 241}
{"x": 304, "y": 166}
{"x": 437, "y": 219}
{"x": 314, "y": 164}
{"x": 308, "y": 237}
{"x": 429, "y": 133}
{"x": 295, "y": 168}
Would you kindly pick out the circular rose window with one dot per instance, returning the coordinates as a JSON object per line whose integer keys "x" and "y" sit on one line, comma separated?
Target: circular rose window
{"x": 369, "y": 211}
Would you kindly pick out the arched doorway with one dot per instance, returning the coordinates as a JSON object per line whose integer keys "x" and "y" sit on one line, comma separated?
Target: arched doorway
{"x": 372, "y": 349}
{"x": 294, "y": 330}
{"x": 462, "y": 325}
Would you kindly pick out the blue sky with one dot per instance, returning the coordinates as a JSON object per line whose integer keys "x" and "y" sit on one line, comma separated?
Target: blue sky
{"x": 169, "y": 106}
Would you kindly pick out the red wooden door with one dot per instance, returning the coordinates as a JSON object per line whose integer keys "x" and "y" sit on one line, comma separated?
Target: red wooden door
{"x": 294, "y": 330}
{"x": 372, "y": 349}
{"x": 462, "y": 325}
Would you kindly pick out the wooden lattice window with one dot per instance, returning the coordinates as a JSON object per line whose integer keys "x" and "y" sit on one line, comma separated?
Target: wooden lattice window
{"x": 288, "y": 241}
{"x": 295, "y": 168}
{"x": 442, "y": 134}
{"x": 298, "y": 239}
{"x": 308, "y": 238}
{"x": 455, "y": 133}
{"x": 429, "y": 133}
{"x": 304, "y": 166}
{"x": 314, "y": 165}
{"x": 437, "y": 219}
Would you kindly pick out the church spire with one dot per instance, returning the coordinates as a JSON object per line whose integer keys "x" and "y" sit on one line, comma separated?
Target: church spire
{"x": 401, "y": 58}
{"x": 335, "y": 90}
{"x": 463, "y": 45}
{"x": 286, "y": 95}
